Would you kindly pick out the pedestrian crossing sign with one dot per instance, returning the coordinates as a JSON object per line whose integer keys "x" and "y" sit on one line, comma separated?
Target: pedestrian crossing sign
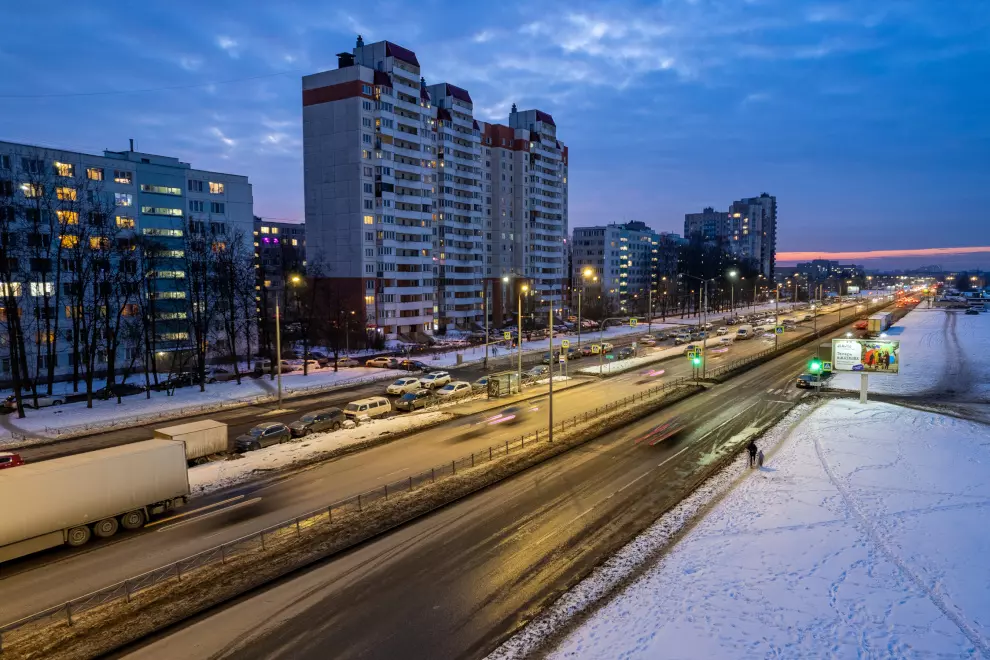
{"x": 633, "y": 323}
{"x": 596, "y": 348}
{"x": 565, "y": 343}
{"x": 507, "y": 335}
{"x": 826, "y": 366}
{"x": 779, "y": 329}
{"x": 693, "y": 354}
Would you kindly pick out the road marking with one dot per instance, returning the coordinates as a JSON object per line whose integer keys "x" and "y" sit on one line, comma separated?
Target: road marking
{"x": 210, "y": 514}
{"x": 405, "y": 469}
{"x": 194, "y": 511}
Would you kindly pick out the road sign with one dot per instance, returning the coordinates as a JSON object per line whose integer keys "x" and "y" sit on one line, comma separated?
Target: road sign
{"x": 563, "y": 359}
{"x": 507, "y": 335}
{"x": 826, "y": 366}
{"x": 633, "y": 323}
{"x": 596, "y": 348}
{"x": 565, "y": 343}
{"x": 779, "y": 329}
{"x": 693, "y": 354}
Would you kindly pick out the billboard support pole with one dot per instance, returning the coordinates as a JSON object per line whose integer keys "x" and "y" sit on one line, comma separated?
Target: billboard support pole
{"x": 864, "y": 379}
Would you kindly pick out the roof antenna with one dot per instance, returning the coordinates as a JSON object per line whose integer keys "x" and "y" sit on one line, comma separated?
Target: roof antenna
{"x": 132, "y": 144}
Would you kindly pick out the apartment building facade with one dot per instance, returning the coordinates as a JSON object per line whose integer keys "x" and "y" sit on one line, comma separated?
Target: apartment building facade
{"x": 748, "y": 230}
{"x": 619, "y": 260}
{"x": 416, "y": 207}
{"x": 153, "y": 197}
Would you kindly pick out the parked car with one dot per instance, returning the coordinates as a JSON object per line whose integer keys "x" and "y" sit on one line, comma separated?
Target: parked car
{"x": 606, "y": 347}
{"x": 346, "y": 362}
{"x": 725, "y": 341}
{"x": 624, "y": 353}
{"x": 413, "y": 365}
{"x": 722, "y": 331}
{"x": 810, "y": 381}
{"x": 403, "y": 385}
{"x": 454, "y": 390}
{"x": 263, "y": 435}
{"x": 374, "y": 406}
{"x": 10, "y": 459}
{"x": 682, "y": 338}
{"x": 586, "y": 351}
{"x": 44, "y": 400}
{"x": 648, "y": 342}
{"x": 435, "y": 379}
{"x": 537, "y": 371}
{"x": 708, "y": 326}
{"x": 691, "y": 347}
{"x": 972, "y": 312}
{"x": 171, "y": 383}
{"x": 218, "y": 375}
{"x": 330, "y": 419}
{"x": 480, "y": 385}
{"x": 547, "y": 358}
{"x": 125, "y": 389}
{"x": 412, "y": 400}
{"x": 382, "y": 362}
{"x": 574, "y": 354}
{"x": 310, "y": 365}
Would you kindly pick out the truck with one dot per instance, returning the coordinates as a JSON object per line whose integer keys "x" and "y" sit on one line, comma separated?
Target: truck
{"x": 69, "y": 500}
{"x": 877, "y": 323}
{"x": 744, "y": 331}
{"x": 203, "y": 439}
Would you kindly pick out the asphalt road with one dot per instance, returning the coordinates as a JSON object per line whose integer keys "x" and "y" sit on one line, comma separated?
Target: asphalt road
{"x": 45, "y": 579}
{"x": 457, "y": 582}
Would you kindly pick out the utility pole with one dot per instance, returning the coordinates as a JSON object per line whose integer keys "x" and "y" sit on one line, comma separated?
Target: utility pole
{"x": 485, "y": 296}
{"x": 278, "y": 351}
{"x": 550, "y": 405}
{"x": 776, "y": 319}
{"x": 704, "y": 340}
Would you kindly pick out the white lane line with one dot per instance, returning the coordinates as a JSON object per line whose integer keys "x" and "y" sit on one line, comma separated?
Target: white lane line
{"x": 210, "y": 514}
{"x": 405, "y": 469}
{"x": 194, "y": 511}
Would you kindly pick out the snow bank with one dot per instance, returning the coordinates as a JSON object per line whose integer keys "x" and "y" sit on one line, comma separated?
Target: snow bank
{"x": 204, "y": 479}
{"x": 655, "y": 355}
{"x": 866, "y": 535}
{"x": 944, "y": 353}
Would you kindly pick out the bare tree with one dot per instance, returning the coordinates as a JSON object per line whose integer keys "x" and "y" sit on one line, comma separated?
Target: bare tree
{"x": 201, "y": 249}
{"x": 11, "y": 286}
{"x": 234, "y": 264}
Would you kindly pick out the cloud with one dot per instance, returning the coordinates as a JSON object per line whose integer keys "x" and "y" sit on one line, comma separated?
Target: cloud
{"x": 190, "y": 63}
{"x": 483, "y": 37}
{"x": 793, "y": 257}
{"x": 229, "y": 45}
{"x": 756, "y": 97}
{"x": 217, "y": 133}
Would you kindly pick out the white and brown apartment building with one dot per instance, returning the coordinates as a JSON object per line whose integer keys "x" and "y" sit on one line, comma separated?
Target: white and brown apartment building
{"x": 405, "y": 201}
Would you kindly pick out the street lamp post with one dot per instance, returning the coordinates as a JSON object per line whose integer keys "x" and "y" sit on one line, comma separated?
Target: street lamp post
{"x": 278, "y": 351}
{"x": 585, "y": 274}
{"x": 776, "y": 319}
{"x": 522, "y": 289}
{"x": 732, "y": 290}
{"x": 550, "y": 392}
{"x": 488, "y": 336}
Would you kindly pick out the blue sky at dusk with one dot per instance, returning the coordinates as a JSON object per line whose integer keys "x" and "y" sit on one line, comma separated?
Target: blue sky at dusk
{"x": 869, "y": 120}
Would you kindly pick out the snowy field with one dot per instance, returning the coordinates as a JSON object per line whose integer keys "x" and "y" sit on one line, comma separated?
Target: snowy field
{"x": 75, "y": 418}
{"x": 945, "y": 355}
{"x": 865, "y": 535}
{"x": 204, "y": 479}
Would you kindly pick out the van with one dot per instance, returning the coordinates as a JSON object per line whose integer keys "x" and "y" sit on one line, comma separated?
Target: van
{"x": 744, "y": 332}
{"x": 373, "y": 406}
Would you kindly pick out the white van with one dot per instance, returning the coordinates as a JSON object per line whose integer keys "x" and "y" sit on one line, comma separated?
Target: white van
{"x": 373, "y": 406}
{"x": 744, "y": 332}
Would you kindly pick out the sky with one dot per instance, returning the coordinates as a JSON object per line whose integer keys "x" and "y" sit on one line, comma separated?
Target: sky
{"x": 868, "y": 119}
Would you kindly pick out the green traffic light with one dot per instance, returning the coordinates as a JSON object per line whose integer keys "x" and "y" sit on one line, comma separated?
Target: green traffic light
{"x": 815, "y": 366}
{"x": 696, "y": 361}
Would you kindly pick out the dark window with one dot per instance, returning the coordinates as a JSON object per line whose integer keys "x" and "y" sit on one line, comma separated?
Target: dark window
{"x": 40, "y": 265}
{"x": 39, "y": 240}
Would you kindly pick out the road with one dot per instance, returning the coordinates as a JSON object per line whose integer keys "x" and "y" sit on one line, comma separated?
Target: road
{"x": 39, "y": 581}
{"x": 457, "y": 582}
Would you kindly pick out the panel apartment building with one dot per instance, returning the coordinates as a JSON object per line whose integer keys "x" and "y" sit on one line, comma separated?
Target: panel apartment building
{"x": 406, "y": 210}
{"x": 151, "y": 196}
{"x": 621, "y": 260}
{"x": 749, "y": 228}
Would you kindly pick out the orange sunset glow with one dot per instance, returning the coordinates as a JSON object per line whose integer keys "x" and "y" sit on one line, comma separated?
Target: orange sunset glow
{"x": 879, "y": 254}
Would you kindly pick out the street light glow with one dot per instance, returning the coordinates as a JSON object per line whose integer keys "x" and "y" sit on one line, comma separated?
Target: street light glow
{"x": 295, "y": 279}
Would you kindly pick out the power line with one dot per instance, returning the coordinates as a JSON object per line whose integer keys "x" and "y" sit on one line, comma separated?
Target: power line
{"x": 148, "y": 89}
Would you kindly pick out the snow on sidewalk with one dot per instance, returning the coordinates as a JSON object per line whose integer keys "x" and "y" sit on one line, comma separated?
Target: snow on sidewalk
{"x": 210, "y": 477}
{"x": 865, "y": 535}
{"x": 942, "y": 352}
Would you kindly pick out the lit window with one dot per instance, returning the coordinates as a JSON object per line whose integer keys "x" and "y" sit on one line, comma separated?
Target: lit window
{"x": 369, "y": 219}
{"x": 125, "y": 222}
{"x": 67, "y": 217}
{"x": 69, "y": 241}
{"x": 64, "y": 169}
{"x": 99, "y": 242}
{"x": 274, "y": 230}
{"x": 94, "y": 173}
{"x": 295, "y": 242}
{"x": 123, "y": 199}
{"x": 265, "y": 230}
{"x": 268, "y": 283}
{"x": 154, "y": 231}
{"x": 159, "y": 210}
{"x": 160, "y": 190}
{"x": 66, "y": 194}
{"x": 42, "y": 288}
{"x": 14, "y": 289}
{"x": 216, "y": 188}
{"x": 32, "y": 189}
{"x": 174, "y": 336}
{"x": 122, "y": 176}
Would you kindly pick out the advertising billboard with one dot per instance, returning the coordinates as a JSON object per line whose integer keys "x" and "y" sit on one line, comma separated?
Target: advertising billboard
{"x": 874, "y": 356}
{"x": 852, "y": 290}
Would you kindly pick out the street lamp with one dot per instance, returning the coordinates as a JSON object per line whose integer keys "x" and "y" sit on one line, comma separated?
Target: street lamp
{"x": 732, "y": 290}
{"x": 585, "y": 274}
{"x": 704, "y": 322}
{"x": 522, "y": 290}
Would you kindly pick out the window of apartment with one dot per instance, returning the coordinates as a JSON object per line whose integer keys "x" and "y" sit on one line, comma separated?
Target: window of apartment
{"x": 33, "y": 165}
{"x": 170, "y": 274}
{"x": 367, "y": 170}
{"x": 32, "y": 190}
{"x": 66, "y": 194}
{"x": 69, "y": 241}
{"x": 274, "y": 230}
{"x": 369, "y": 189}
{"x": 67, "y": 217}
{"x": 366, "y": 138}
{"x": 366, "y": 89}
{"x": 160, "y": 210}
{"x": 123, "y": 199}
{"x": 99, "y": 243}
{"x": 125, "y": 222}
{"x": 64, "y": 169}
{"x": 123, "y": 176}
{"x": 94, "y": 173}
{"x": 369, "y": 252}
{"x": 197, "y": 206}
{"x": 369, "y": 268}
{"x": 295, "y": 242}
{"x": 366, "y": 121}
{"x": 39, "y": 289}
{"x": 160, "y": 190}
{"x": 365, "y": 154}
{"x": 217, "y": 207}
{"x": 4, "y": 162}
{"x": 366, "y": 105}
{"x": 195, "y": 185}
{"x": 368, "y": 205}
{"x": 155, "y": 231}
{"x": 216, "y": 188}
{"x": 265, "y": 230}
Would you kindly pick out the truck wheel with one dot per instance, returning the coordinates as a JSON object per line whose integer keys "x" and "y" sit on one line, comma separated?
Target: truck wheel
{"x": 132, "y": 520}
{"x": 78, "y": 536}
{"x": 105, "y": 528}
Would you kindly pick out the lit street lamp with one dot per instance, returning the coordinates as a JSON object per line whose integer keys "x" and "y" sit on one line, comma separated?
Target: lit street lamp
{"x": 522, "y": 289}
{"x": 585, "y": 274}
{"x": 732, "y": 290}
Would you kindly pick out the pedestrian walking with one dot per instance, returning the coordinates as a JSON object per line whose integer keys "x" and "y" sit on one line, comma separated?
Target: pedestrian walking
{"x": 751, "y": 447}
{"x": 495, "y": 351}
{"x": 759, "y": 458}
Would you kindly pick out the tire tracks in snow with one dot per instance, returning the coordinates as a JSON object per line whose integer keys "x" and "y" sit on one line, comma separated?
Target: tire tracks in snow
{"x": 941, "y": 602}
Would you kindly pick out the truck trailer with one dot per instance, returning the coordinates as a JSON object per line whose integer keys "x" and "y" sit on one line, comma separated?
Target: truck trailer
{"x": 878, "y": 323}
{"x": 203, "y": 439}
{"x": 71, "y": 499}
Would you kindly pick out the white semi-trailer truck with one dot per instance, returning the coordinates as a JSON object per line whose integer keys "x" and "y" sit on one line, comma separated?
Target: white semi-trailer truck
{"x": 203, "y": 439}
{"x": 69, "y": 500}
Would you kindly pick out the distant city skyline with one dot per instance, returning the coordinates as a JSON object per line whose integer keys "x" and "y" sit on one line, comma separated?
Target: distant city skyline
{"x": 863, "y": 118}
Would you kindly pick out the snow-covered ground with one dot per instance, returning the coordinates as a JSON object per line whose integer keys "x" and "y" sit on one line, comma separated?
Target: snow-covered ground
{"x": 650, "y": 356}
{"x": 204, "y": 479}
{"x": 944, "y": 354}
{"x": 75, "y": 418}
{"x": 865, "y": 535}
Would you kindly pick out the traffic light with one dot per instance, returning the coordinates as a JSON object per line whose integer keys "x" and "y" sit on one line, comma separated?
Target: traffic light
{"x": 696, "y": 361}
{"x": 815, "y": 366}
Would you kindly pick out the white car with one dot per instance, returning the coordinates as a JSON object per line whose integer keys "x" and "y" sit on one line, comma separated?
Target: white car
{"x": 436, "y": 379}
{"x": 722, "y": 331}
{"x": 346, "y": 362}
{"x": 310, "y": 365}
{"x": 682, "y": 339}
{"x": 726, "y": 340}
{"x": 404, "y": 385}
{"x": 454, "y": 390}
{"x": 379, "y": 362}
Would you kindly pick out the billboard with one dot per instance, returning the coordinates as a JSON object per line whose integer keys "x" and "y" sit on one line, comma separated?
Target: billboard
{"x": 874, "y": 356}
{"x": 852, "y": 290}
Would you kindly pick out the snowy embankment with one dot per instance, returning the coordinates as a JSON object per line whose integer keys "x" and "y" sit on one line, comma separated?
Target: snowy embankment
{"x": 204, "y": 479}
{"x": 944, "y": 354}
{"x": 76, "y": 419}
{"x": 611, "y": 367}
{"x": 865, "y": 535}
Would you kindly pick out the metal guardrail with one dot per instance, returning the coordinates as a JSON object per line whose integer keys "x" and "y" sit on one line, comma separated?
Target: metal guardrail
{"x": 221, "y": 554}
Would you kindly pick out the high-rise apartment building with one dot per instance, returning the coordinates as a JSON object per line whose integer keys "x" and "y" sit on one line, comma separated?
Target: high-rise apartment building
{"x": 710, "y": 224}
{"x": 622, "y": 257}
{"x": 748, "y": 230}
{"x": 416, "y": 206}
{"x": 157, "y": 199}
